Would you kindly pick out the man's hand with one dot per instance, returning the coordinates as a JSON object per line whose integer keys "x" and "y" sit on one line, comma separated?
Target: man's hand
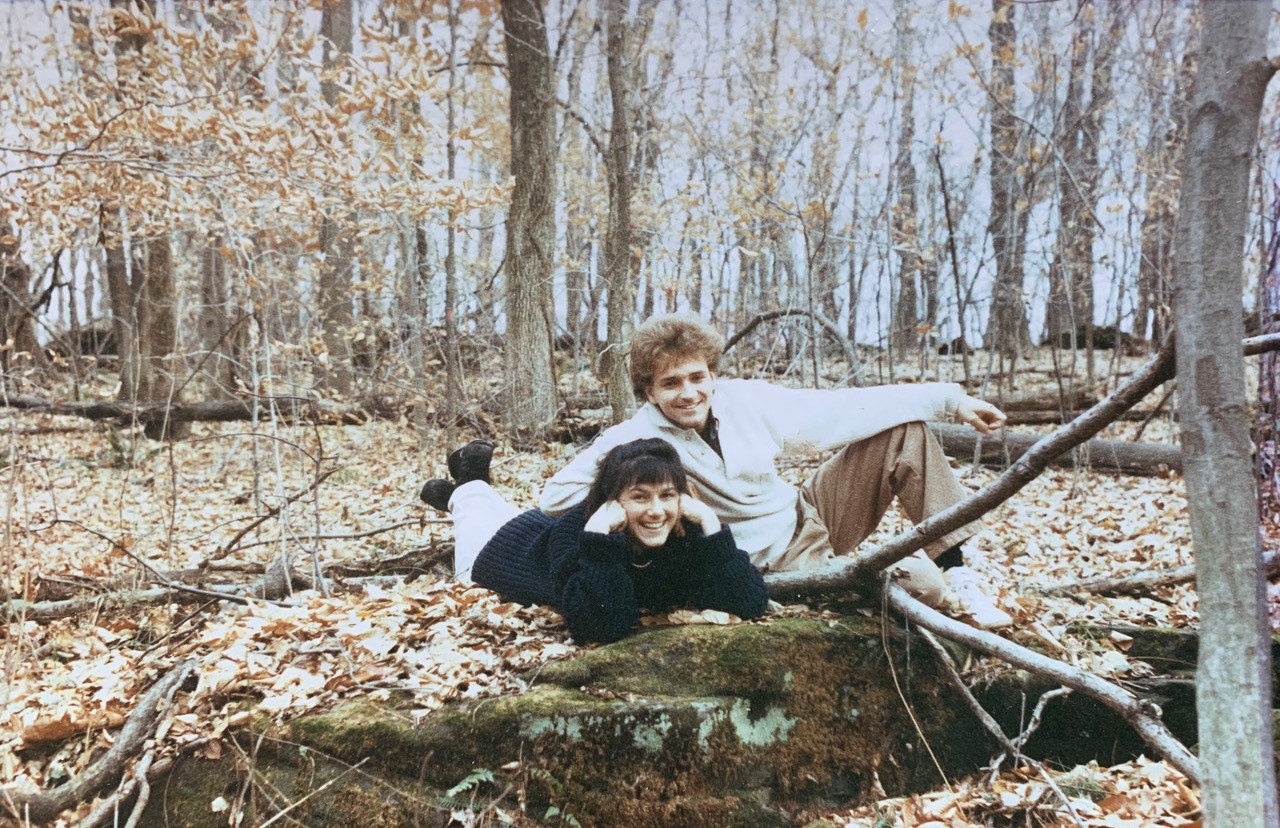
{"x": 610, "y": 517}
{"x": 697, "y": 512}
{"x": 983, "y": 416}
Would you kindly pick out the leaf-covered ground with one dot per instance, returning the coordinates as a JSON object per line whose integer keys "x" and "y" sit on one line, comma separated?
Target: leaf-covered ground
{"x": 88, "y": 507}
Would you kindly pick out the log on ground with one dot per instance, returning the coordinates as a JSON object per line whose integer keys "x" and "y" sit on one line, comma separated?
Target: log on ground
{"x": 1112, "y": 456}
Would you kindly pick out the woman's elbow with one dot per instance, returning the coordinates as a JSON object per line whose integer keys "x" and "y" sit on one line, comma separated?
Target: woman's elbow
{"x": 601, "y": 630}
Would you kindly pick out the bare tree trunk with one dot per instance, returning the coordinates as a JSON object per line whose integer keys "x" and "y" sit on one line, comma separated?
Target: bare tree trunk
{"x": 17, "y": 306}
{"x": 904, "y": 235}
{"x": 1007, "y": 323}
{"x": 160, "y": 344}
{"x": 1156, "y": 272}
{"x": 337, "y": 245}
{"x": 619, "y": 264}
{"x": 1233, "y": 681}
{"x": 529, "y": 382}
{"x": 1266, "y": 429}
{"x": 452, "y": 354}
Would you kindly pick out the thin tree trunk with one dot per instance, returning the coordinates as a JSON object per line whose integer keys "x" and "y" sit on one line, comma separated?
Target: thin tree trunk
{"x": 1007, "y": 323}
{"x": 337, "y": 245}
{"x": 618, "y": 259}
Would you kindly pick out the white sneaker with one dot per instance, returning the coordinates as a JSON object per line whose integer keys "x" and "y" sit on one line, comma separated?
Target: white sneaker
{"x": 968, "y": 597}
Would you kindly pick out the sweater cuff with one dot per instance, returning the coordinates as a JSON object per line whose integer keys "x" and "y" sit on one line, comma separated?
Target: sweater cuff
{"x": 605, "y": 549}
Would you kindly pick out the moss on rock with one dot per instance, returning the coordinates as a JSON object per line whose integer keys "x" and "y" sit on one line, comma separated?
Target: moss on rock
{"x": 677, "y": 726}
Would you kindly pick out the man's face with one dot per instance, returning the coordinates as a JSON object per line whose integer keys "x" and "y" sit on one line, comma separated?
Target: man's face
{"x": 682, "y": 391}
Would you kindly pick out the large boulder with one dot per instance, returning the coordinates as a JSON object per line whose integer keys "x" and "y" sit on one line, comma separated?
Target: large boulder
{"x": 741, "y": 725}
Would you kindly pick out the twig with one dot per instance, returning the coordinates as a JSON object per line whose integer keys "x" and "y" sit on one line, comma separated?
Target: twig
{"x": 1141, "y": 714}
{"x": 230, "y": 546}
{"x": 279, "y": 814}
{"x": 348, "y": 535}
{"x": 827, "y": 325}
{"x": 142, "y": 722}
{"x": 1011, "y": 748}
{"x": 1153, "y": 413}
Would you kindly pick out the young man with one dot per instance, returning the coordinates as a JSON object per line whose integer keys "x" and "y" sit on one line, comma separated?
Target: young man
{"x": 730, "y": 434}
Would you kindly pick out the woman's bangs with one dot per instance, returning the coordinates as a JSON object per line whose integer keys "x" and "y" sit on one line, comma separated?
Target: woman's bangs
{"x": 648, "y": 470}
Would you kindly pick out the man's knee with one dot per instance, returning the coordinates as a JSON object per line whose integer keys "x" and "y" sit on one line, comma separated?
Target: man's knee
{"x": 920, "y": 577}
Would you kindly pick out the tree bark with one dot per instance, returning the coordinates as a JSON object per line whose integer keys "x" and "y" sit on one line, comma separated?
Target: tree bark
{"x": 1007, "y": 322}
{"x": 530, "y": 401}
{"x": 1233, "y": 681}
{"x": 904, "y": 235}
{"x": 619, "y": 263}
{"x": 337, "y": 245}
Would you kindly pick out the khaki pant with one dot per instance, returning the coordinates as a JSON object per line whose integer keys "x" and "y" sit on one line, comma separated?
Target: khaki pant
{"x": 848, "y": 495}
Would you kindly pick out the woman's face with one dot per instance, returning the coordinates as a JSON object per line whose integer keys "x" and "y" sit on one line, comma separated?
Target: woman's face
{"x": 652, "y": 511}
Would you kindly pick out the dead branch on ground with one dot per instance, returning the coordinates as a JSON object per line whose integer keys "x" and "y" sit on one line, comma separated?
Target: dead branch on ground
{"x": 1142, "y": 715}
{"x": 108, "y": 770}
{"x": 276, "y": 583}
{"x": 1144, "y": 582}
{"x": 1109, "y": 456}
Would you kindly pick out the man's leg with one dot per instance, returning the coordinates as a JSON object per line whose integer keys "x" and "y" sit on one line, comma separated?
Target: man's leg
{"x": 852, "y": 491}
{"x": 478, "y": 513}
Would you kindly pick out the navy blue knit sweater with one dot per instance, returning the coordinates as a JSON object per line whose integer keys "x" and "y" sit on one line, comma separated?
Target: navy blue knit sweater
{"x": 590, "y": 578}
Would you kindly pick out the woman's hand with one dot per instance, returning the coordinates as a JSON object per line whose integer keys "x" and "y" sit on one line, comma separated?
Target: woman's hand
{"x": 610, "y": 517}
{"x": 695, "y": 511}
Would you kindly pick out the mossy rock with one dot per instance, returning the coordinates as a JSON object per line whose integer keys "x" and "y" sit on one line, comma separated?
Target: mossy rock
{"x": 744, "y": 724}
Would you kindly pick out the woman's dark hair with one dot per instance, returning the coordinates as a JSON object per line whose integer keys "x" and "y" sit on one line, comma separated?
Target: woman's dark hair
{"x": 649, "y": 461}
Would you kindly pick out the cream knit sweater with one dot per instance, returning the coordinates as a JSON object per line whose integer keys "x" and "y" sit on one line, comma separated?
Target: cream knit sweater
{"x": 759, "y": 422}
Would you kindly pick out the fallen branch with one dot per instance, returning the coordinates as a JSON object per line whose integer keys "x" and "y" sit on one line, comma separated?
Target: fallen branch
{"x": 276, "y": 583}
{"x": 849, "y": 573}
{"x": 1144, "y": 582}
{"x": 826, "y": 324}
{"x": 1111, "y": 456}
{"x": 1011, "y": 748}
{"x": 221, "y": 411}
{"x": 1144, "y": 716}
{"x": 108, "y": 770}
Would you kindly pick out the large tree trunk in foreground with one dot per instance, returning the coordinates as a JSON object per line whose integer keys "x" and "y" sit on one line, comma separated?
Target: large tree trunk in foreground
{"x": 1233, "y": 682}
{"x": 530, "y": 400}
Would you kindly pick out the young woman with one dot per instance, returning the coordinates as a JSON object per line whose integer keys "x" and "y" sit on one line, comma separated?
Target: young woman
{"x": 639, "y": 539}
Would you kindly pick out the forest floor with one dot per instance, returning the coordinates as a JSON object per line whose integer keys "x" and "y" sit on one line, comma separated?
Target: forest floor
{"x": 92, "y": 507}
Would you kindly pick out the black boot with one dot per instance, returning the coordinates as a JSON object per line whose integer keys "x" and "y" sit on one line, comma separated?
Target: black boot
{"x": 471, "y": 462}
{"x": 436, "y": 493}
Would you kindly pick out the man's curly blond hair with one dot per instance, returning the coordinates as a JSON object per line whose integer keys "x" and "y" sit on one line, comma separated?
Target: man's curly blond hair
{"x": 672, "y": 337}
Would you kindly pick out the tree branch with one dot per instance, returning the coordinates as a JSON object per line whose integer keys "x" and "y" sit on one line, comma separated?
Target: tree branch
{"x": 1141, "y": 714}
{"x": 142, "y": 722}
{"x": 827, "y": 325}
